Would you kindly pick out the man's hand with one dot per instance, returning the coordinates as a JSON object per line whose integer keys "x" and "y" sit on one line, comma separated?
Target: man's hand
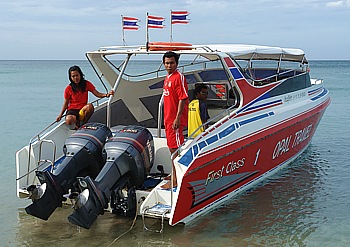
{"x": 176, "y": 123}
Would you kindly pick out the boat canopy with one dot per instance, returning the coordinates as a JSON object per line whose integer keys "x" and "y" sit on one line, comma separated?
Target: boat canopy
{"x": 211, "y": 51}
{"x": 257, "y": 52}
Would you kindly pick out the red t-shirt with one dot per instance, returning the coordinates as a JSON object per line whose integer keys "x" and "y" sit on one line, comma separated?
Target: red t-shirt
{"x": 175, "y": 89}
{"x": 79, "y": 99}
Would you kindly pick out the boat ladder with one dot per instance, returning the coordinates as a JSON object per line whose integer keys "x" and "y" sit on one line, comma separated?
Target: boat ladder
{"x": 156, "y": 211}
{"x": 43, "y": 161}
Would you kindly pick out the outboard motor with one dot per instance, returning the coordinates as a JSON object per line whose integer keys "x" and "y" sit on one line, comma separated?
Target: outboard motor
{"x": 83, "y": 156}
{"x": 130, "y": 156}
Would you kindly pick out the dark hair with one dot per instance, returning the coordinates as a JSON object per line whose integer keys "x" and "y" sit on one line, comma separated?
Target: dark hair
{"x": 82, "y": 84}
{"x": 170, "y": 54}
{"x": 198, "y": 88}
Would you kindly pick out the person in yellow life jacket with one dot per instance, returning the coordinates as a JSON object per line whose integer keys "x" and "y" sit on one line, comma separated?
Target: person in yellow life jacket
{"x": 197, "y": 110}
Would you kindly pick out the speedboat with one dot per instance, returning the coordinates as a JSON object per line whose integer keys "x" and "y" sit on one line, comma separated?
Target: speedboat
{"x": 264, "y": 110}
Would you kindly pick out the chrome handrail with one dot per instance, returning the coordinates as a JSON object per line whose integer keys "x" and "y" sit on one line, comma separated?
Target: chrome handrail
{"x": 115, "y": 89}
{"x": 272, "y": 76}
{"x": 94, "y": 69}
{"x": 160, "y": 116}
{"x": 54, "y": 153}
{"x": 38, "y": 137}
{"x": 178, "y": 150}
{"x": 29, "y": 172}
{"x": 156, "y": 72}
{"x": 213, "y": 119}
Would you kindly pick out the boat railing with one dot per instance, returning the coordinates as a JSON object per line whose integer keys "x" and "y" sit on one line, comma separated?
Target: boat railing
{"x": 34, "y": 139}
{"x": 159, "y": 71}
{"x": 225, "y": 112}
{"x": 210, "y": 124}
{"x": 160, "y": 116}
{"x": 178, "y": 151}
{"x": 277, "y": 76}
{"x": 39, "y": 138}
{"x": 116, "y": 84}
{"x": 41, "y": 162}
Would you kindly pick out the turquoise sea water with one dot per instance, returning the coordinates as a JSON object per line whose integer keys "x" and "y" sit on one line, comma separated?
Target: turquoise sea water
{"x": 306, "y": 204}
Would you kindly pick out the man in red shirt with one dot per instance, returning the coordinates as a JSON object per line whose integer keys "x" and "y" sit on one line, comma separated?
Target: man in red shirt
{"x": 175, "y": 105}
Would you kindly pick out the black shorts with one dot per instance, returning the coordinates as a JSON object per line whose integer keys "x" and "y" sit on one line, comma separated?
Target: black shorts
{"x": 74, "y": 112}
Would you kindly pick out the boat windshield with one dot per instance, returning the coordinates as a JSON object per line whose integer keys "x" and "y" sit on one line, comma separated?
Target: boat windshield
{"x": 145, "y": 66}
{"x": 261, "y": 71}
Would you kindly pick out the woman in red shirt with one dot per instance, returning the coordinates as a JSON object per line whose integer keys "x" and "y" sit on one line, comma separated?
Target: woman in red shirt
{"x": 76, "y": 98}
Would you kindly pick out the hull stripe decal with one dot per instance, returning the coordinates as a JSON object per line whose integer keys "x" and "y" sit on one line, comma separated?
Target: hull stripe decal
{"x": 325, "y": 91}
{"x": 200, "y": 197}
{"x": 325, "y": 103}
{"x": 315, "y": 91}
{"x": 263, "y": 105}
{"x": 188, "y": 157}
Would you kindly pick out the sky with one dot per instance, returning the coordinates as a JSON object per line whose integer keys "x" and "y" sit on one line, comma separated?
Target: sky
{"x": 62, "y": 29}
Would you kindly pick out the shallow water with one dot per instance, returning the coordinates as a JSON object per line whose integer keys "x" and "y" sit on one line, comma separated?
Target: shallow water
{"x": 305, "y": 204}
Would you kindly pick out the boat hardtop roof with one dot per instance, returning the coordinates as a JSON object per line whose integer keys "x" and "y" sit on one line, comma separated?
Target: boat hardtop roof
{"x": 210, "y": 51}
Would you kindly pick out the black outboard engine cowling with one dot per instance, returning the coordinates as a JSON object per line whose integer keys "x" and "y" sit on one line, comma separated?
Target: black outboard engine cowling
{"x": 130, "y": 156}
{"x": 83, "y": 156}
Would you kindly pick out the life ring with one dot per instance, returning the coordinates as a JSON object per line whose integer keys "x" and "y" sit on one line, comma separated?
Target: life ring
{"x": 220, "y": 91}
{"x": 168, "y": 46}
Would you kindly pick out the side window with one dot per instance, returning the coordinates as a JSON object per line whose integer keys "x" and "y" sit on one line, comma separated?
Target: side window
{"x": 217, "y": 95}
{"x": 219, "y": 91}
{"x": 220, "y": 95}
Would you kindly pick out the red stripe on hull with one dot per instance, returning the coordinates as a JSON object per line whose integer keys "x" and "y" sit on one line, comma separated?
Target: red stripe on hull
{"x": 255, "y": 154}
{"x": 273, "y": 128}
{"x": 229, "y": 62}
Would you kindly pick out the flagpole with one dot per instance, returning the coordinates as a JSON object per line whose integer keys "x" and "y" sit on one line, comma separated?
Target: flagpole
{"x": 171, "y": 26}
{"x": 147, "y": 35}
{"x": 124, "y": 43}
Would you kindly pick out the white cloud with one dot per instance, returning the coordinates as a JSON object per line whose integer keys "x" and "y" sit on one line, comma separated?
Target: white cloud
{"x": 29, "y": 25}
{"x": 338, "y": 4}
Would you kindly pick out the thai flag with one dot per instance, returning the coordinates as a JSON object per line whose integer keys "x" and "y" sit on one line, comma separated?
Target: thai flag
{"x": 179, "y": 17}
{"x": 130, "y": 23}
{"x": 155, "y": 21}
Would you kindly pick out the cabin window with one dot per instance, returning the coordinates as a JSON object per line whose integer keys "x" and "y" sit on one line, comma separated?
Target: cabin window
{"x": 262, "y": 72}
{"x": 220, "y": 95}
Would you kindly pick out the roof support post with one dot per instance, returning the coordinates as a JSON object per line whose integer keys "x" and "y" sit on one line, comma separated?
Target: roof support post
{"x": 115, "y": 89}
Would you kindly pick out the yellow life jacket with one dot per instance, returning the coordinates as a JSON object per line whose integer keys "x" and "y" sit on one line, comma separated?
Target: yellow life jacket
{"x": 194, "y": 118}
